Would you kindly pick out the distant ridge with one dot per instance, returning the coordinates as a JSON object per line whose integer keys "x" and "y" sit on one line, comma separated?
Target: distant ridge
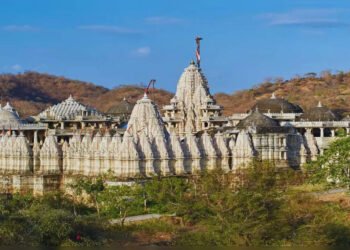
{"x": 333, "y": 90}
{"x": 31, "y": 92}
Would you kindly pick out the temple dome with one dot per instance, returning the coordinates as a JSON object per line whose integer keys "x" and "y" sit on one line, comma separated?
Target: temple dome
{"x": 257, "y": 120}
{"x": 122, "y": 108}
{"x": 277, "y": 105}
{"x": 320, "y": 113}
{"x": 9, "y": 116}
{"x": 68, "y": 109}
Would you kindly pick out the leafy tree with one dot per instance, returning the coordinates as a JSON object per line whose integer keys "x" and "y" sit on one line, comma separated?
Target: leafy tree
{"x": 333, "y": 167}
{"x": 165, "y": 194}
{"x": 122, "y": 201}
{"x": 90, "y": 187}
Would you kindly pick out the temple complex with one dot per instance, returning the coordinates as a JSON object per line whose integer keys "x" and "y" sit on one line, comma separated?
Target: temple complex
{"x": 185, "y": 137}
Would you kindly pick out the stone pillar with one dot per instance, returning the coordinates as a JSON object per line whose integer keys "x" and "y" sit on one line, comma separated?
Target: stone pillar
{"x": 333, "y": 132}
{"x": 62, "y": 125}
{"x": 308, "y": 131}
{"x": 322, "y": 132}
{"x": 347, "y": 131}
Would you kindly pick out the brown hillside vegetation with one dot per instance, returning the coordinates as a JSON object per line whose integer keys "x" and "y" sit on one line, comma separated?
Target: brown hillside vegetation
{"x": 333, "y": 90}
{"x": 31, "y": 92}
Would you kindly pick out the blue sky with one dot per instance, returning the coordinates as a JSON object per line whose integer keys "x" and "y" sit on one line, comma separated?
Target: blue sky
{"x": 113, "y": 42}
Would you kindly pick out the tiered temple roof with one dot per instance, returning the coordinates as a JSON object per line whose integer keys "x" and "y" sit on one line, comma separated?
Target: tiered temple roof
{"x": 9, "y": 116}
{"x": 69, "y": 109}
{"x": 192, "y": 109}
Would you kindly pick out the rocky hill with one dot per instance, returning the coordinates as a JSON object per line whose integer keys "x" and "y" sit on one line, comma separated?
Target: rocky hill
{"x": 31, "y": 92}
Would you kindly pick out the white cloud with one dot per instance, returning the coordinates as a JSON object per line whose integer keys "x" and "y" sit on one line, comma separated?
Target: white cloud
{"x": 163, "y": 20}
{"x": 142, "y": 51}
{"x": 314, "y": 18}
{"x": 20, "y": 28}
{"x": 16, "y": 67}
{"x": 109, "y": 29}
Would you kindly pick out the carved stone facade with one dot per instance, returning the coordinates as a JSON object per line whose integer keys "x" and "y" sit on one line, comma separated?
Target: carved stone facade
{"x": 192, "y": 109}
{"x": 70, "y": 139}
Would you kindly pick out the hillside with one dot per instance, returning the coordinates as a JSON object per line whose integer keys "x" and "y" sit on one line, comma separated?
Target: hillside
{"x": 333, "y": 90}
{"x": 31, "y": 92}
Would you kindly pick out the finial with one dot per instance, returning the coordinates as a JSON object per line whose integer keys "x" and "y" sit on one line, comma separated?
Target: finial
{"x": 319, "y": 105}
{"x": 124, "y": 99}
{"x": 192, "y": 62}
{"x": 145, "y": 96}
{"x": 273, "y": 95}
{"x": 198, "y": 53}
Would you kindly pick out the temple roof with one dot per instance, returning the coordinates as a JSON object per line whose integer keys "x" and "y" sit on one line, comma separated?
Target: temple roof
{"x": 9, "y": 116}
{"x": 320, "y": 113}
{"x": 145, "y": 117}
{"x": 257, "y": 120}
{"x": 192, "y": 87}
{"x": 277, "y": 105}
{"x": 68, "y": 109}
{"x": 123, "y": 107}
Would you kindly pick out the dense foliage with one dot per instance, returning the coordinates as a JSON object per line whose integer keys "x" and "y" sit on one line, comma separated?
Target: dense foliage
{"x": 260, "y": 205}
{"x": 333, "y": 167}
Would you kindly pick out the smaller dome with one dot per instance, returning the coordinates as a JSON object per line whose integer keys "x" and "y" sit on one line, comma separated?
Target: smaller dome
{"x": 277, "y": 105}
{"x": 9, "y": 116}
{"x": 257, "y": 120}
{"x": 122, "y": 108}
{"x": 320, "y": 113}
{"x": 9, "y": 108}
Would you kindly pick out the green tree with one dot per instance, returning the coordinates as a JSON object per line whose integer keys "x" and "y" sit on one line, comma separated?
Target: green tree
{"x": 92, "y": 188}
{"x": 333, "y": 167}
{"x": 122, "y": 201}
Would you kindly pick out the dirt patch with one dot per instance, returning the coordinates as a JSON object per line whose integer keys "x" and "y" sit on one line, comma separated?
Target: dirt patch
{"x": 342, "y": 198}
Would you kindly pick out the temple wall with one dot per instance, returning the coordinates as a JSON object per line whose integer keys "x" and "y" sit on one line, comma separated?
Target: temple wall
{"x": 40, "y": 168}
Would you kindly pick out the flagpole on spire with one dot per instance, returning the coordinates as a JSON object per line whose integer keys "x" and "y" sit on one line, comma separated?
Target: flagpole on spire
{"x": 198, "y": 51}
